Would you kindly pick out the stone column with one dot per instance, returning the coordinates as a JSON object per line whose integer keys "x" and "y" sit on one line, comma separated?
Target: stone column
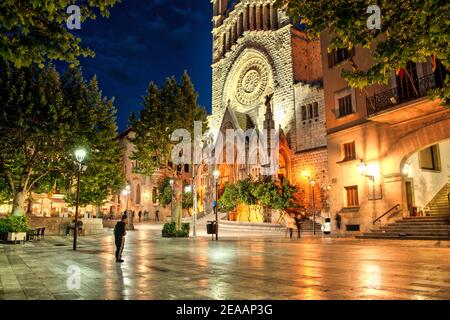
{"x": 273, "y": 17}
{"x": 245, "y": 22}
{"x": 252, "y": 17}
{"x": 224, "y": 44}
{"x": 240, "y": 28}
{"x": 266, "y": 17}
{"x": 258, "y": 17}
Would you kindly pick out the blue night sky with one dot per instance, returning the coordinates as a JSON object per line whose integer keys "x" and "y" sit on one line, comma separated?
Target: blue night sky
{"x": 149, "y": 40}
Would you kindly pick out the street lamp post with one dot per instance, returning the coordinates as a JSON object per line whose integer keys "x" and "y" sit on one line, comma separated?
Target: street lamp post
{"x": 216, "y": 175}
{"x": 127, "y": 192}
{"x": 313, "y": 183}
{"x": 362, "y": 169}
{"x": 80, "y": 154}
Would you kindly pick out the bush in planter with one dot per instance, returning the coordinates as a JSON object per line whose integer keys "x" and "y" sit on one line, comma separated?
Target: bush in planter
{"x": 3, "y": 229}
{"x": 170, "y": 230}
{"x": 17, "y": 224}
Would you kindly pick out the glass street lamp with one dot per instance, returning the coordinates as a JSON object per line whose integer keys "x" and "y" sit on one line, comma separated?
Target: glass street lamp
{"x": 80, "y": 154}
{"x": 127, "y": 192}
{"x": 406, "y": 169}
{"x": 362, "y": 167}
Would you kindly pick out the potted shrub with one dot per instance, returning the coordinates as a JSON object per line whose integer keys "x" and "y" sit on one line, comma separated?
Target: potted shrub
{"x": 3, "y": 229}
{"x": 170, "y": 230}
{"x": 17, "y": 228}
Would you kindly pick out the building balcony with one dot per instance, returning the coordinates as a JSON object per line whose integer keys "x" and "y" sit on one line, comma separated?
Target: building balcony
{"x": 405, "y": 101}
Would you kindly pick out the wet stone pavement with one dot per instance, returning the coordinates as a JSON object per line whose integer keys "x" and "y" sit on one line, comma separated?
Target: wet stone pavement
{"x": 237, "y": 267}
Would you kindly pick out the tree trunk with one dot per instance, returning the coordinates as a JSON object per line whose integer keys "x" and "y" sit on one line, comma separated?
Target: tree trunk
{"x": 177, "y": 210}
{"x": 19, "y": 203}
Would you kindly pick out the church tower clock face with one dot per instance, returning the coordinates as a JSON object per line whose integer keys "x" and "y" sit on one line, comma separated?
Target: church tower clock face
{"x": 251, "y": 81}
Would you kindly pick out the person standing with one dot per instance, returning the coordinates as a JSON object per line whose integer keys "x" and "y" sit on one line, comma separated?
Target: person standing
{"x": 140, "y": 215}
{"x": 119, "y": 237}
{"x": 298, "y": 223}
{"x": 290, "y": 224}
{"x": 157, "y": 215}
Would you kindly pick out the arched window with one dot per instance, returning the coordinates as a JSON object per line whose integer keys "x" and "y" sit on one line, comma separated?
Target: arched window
{"x": 138, "y": 194}
{"x": 154, "y": 195}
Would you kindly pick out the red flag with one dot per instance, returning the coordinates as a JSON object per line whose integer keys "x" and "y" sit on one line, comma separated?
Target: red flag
{"x": 400, "y": 72}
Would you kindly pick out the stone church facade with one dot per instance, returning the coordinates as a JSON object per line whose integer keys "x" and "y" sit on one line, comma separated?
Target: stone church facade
{"x": 258, "y": 51}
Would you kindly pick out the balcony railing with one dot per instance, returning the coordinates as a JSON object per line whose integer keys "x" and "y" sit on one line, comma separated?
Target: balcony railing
{"x": 392, "y": 97}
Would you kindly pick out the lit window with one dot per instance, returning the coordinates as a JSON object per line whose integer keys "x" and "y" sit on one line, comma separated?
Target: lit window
{"x": 349, "y": 151}
{"x": 352, "y": 196}
{"x": 345, "y": 105}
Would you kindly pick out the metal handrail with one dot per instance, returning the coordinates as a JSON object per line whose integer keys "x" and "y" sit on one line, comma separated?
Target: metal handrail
{"x": 387, "y": 212}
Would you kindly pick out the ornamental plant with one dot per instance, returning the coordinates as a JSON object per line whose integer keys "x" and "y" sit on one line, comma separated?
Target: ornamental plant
{"x": 268, "y": 194}
{"x": 17, "y": 224}
{"x": 170, "y": 230}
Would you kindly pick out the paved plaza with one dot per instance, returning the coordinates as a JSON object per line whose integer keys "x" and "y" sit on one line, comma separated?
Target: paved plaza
{"x": 237, "y": 267}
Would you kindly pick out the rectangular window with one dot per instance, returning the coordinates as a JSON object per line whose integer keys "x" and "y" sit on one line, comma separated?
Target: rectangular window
{"x": 349, "y": 151}
{"x": 310, "y": 111}
{"x": 303, "y": 112}
{"x": 345, "y": 105}
{"x": 352, "y": 196}
{"x": 429, "y": 158}
{"x": 338, "y": 55}
{"x": 186, "y": 167}
{"x": 316, "y": 110}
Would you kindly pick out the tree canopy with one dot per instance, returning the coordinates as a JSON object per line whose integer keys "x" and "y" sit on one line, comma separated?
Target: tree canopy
{"x": 43, "y": 119}
{"x": 167, "y": 108}
{"x": 265, "y": 193}
{"x": 411, "y": 30}
{"x": 33, "y": 31}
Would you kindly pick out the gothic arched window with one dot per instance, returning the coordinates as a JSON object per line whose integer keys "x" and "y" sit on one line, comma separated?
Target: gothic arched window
{"x": 138, "y": 194}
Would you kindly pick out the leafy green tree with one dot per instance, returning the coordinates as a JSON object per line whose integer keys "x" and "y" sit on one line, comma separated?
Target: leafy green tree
{"x": 411, "y": 30}
{"x": 103, "y": 173}
{"x": 5, "y": 192}
{"x": 34, "y": 30}
{"x": 42, "y": 122}
{"x": 165, "y": 192}
{"x": 33, "y": 122}
{"x": 229, "y": 198}
{"x": 167, "y": 108}
{"x": 245, "y": 193}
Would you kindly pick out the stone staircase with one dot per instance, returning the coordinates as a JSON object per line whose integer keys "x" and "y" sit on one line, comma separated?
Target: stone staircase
{"x": 435, "y": 227}
{"x": 307, "y": 227}
{"x": 440, "y": 203}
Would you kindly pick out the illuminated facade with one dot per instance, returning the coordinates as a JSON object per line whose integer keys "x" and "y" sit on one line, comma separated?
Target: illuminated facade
{"x": 387, "y": 145}
{"x": 257, "y": 52}
{"x": 143, "y": 190}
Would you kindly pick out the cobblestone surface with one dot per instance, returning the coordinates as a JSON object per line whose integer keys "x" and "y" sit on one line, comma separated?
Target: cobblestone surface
{"x": 239, "y": 266}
